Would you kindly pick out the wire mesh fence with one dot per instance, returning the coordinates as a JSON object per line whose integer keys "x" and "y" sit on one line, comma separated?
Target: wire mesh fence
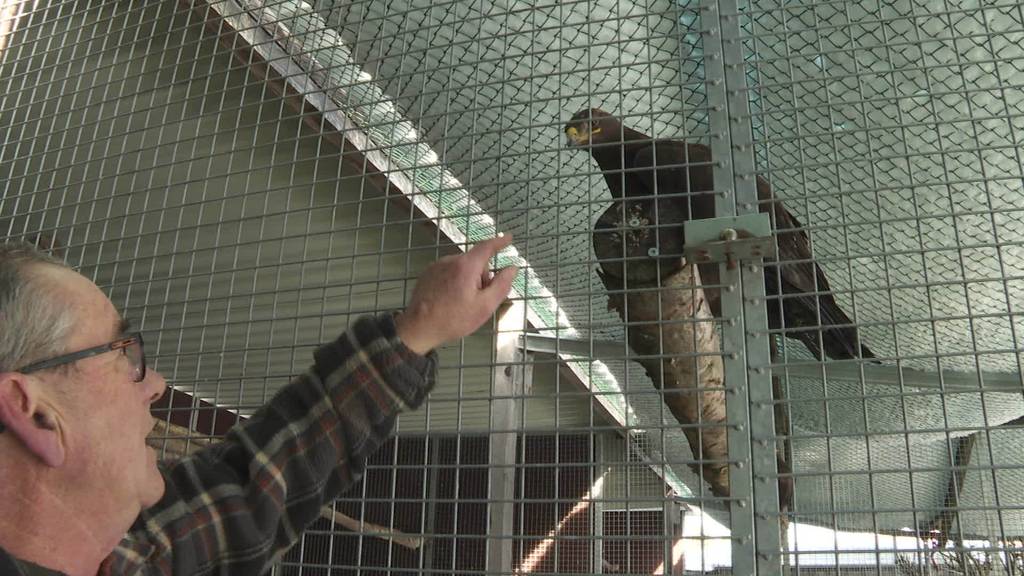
{"x": 244, "y": 178}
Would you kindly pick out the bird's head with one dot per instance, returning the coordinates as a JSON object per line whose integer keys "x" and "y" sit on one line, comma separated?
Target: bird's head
{"x": 592, "y": 126}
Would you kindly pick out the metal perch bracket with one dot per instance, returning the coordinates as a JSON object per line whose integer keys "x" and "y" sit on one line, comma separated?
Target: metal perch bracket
{"x": 729, "y": 239}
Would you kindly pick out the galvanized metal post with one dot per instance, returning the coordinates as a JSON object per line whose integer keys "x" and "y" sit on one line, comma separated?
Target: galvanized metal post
{"x": 682, "y": 510}
{"x": 754, "y": 510}
{"x": 506, "y": 409}
{"x": 672, "y": 518}
{"x": 597, "y": 507}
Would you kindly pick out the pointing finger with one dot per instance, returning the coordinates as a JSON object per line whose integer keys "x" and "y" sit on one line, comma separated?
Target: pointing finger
{"x": 484, "y": 251}
{"x": 485, "y": 277}
{"x": 501, "y": 285}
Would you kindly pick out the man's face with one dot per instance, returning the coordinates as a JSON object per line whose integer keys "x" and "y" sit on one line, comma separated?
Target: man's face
{"x": 105, "y": 415}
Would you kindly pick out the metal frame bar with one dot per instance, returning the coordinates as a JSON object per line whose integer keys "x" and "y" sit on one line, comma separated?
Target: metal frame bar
{"x": 754, "y": 509}
{"x": 740, "y": 482}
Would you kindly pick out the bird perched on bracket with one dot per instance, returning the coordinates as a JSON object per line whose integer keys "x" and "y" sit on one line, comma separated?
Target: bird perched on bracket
{"x": 680, "y": 176}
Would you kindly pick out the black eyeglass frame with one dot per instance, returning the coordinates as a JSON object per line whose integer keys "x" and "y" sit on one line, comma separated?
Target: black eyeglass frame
{"x": 119, "y": 344}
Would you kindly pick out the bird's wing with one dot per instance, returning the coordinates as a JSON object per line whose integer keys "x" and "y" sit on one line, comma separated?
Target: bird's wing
{"x": 800, "y": 278}
{"x": 798, "y": 270}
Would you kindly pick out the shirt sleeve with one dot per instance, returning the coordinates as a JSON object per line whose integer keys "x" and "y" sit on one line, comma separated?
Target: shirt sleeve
{"x": 238, "y": 505}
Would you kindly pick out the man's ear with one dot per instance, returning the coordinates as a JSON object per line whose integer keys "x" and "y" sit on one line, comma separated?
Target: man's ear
{"x": 30, "y": 420}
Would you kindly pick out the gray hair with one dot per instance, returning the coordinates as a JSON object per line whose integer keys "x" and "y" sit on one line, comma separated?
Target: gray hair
{"x": 33, "y": 325}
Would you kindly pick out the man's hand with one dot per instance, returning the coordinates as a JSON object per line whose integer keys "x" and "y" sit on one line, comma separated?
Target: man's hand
{"x": 454, "y": 297}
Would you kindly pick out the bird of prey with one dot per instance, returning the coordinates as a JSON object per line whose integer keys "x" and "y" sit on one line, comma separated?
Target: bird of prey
{"x": 637, "y": 165}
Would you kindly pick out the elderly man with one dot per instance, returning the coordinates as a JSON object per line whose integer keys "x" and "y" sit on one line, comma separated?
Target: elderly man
{"x": 81, "y": 493}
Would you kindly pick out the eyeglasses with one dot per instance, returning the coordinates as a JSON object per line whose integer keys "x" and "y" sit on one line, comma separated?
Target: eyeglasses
{"x": 130, "y": 346}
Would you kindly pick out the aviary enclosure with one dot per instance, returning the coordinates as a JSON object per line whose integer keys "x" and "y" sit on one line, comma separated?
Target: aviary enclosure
{"x": 769, "y": 314}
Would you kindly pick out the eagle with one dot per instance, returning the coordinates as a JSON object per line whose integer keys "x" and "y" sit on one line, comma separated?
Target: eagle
{"x": 680, "y": 175}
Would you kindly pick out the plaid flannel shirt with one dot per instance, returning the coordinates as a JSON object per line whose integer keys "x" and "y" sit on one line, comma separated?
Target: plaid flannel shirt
{"x": 236, "y": 507}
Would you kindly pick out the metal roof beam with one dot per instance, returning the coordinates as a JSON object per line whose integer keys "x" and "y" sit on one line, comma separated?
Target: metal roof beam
{"x": 981, "y": 381}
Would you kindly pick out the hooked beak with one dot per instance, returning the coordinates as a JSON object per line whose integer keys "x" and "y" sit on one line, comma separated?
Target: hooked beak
{"x": 574, "y": 138}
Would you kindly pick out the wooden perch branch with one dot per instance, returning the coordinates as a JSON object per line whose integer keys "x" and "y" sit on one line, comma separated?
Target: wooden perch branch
{"x": 668, "y": 318}
{"x": 400, "y": 538}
